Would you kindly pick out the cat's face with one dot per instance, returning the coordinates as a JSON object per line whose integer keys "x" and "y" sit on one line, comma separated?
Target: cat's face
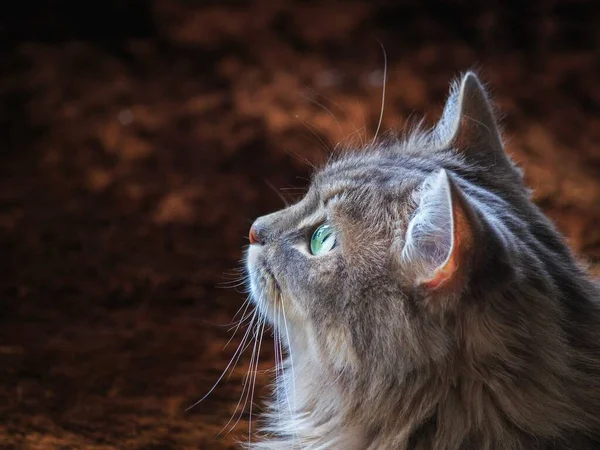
{"x": 351, "y": 296}
{"x": 369, "y": 263}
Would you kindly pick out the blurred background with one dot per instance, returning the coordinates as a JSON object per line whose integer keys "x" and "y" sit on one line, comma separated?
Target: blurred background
{"x": 139, "y": 139}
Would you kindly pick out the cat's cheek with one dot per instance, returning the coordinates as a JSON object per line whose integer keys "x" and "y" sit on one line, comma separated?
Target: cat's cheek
{"x": 338, "y": 345}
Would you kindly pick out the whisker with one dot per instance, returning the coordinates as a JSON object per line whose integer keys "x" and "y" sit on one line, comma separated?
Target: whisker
{"x": 279, "y": 194}
{"x": 247, "y": 379}
{"x": 244, "y": 317}
{"x": 289, "y": 347}
{"x": 285, "y": 386}
{"x": 254, "y": 383}
{"x": 236, "y": 280}
{"x": 246, "y": 302}
{"x": 385, "y": 63}
{"x": 219, "y": 379}
{"x": 244, "y": 386}
{"x": 327, "y": 110}
{"x": 364, "y": 127}
{"x": 248, "y": 344}
{"x": 235, "y": 272}
{"x": 278, "y": 361}
{"x": 238, "y": 323}
{"x": 231, "y": 284}
{"x": 234, "y": 322}
{"x": 300, "y": 158}
{"x": 356, "y": 130}
{"x": 315, "y": 134}
{"x": 297, "y": 189}
{"x": 291, "y": 358}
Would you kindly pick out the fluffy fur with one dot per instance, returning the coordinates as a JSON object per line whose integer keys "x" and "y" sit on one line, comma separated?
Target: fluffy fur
{"x": 450, "y": 315}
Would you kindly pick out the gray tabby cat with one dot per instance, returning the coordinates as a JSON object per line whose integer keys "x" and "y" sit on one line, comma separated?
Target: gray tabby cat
{"x": 426, "y": 303}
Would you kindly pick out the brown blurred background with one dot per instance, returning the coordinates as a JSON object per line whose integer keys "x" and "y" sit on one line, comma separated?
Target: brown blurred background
{"x": 139, "y": 140}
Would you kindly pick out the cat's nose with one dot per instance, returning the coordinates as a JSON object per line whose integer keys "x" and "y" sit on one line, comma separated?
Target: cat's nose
{"x": 254, "y": 235}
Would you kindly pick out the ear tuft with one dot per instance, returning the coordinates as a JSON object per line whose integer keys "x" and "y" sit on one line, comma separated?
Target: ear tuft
{"x": 469, "y": 126}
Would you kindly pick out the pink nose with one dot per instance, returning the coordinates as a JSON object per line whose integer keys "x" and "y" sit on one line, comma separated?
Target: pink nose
{"x": 253, "y": 236}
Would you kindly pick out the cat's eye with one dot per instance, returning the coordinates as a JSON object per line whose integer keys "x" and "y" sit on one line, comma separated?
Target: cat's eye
{"x": 323, "y": 240}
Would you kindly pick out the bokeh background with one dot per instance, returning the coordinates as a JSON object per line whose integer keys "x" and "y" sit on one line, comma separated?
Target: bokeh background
{"x": 139, "y": 139}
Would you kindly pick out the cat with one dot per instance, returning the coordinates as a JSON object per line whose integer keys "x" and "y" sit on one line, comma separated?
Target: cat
{"x": 425, "y": 302}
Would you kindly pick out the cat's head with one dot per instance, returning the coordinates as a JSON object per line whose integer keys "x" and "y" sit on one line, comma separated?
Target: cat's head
{"x": 374, "y": 264}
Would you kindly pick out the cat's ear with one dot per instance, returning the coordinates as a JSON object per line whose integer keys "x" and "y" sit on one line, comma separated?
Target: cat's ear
{"x": 468, "y": 125}
{"x": 440, "y": 239}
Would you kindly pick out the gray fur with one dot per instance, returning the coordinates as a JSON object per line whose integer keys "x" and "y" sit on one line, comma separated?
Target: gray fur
{"x": 507, "y": 357}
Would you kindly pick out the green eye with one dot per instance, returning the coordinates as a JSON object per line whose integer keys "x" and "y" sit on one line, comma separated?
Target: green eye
{"x": 323, "y": 240}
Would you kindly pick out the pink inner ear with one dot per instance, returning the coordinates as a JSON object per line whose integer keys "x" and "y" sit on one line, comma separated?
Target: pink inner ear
{"x": 449, "y": 272}
{"x": 440, "y": 236}
{"x": 442, "y": 274}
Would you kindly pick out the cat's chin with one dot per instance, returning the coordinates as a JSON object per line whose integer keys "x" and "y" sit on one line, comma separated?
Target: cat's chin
{"x": 264, "y": 289}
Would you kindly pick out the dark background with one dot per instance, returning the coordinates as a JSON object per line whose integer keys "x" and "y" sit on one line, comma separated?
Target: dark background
{"x": 138, "y": 142}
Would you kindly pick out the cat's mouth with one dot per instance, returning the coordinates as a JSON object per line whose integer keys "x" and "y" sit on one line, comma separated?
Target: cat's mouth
{"x": 264, "y": 287}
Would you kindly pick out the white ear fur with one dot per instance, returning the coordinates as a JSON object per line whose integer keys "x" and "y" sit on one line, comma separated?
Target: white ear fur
{"x": 429, "y": 238}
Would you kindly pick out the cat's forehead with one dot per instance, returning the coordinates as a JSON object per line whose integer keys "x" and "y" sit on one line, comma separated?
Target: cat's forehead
{"x": 370, "y": 170}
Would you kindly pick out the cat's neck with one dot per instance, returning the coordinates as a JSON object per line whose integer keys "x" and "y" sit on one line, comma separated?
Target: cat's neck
{"x": 489, "y": 396}
{"x": 464, "y": 413}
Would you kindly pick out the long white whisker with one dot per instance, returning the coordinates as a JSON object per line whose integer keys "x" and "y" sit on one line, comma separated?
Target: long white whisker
{"x": 278, "y": 193}
{"x": 244, "y": 306}
{"x": 278, "y": 358}
{"x": 314, "y": 133}
{"x": 291, "y": 366}
{"x": 356, "y": 130}
{"x": 234, "y": 322}
{"x": 240, "y": 322}
{"x": 327, "y": 110}
{"x": 243, "y": 318}
{"x": 285, "y": 386}
{"x": 302, "y": 159}
{"x": 247, "y": 378}
{"x": 245, "y": 345}
{"x": 382, "y": 92}
{"x": 233, "y": 283}
{"x": 219, "y": 379}
{"x": 290, "y": 351}
{"x": 254, "y": 383}
{"x": 245, "y": 385}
